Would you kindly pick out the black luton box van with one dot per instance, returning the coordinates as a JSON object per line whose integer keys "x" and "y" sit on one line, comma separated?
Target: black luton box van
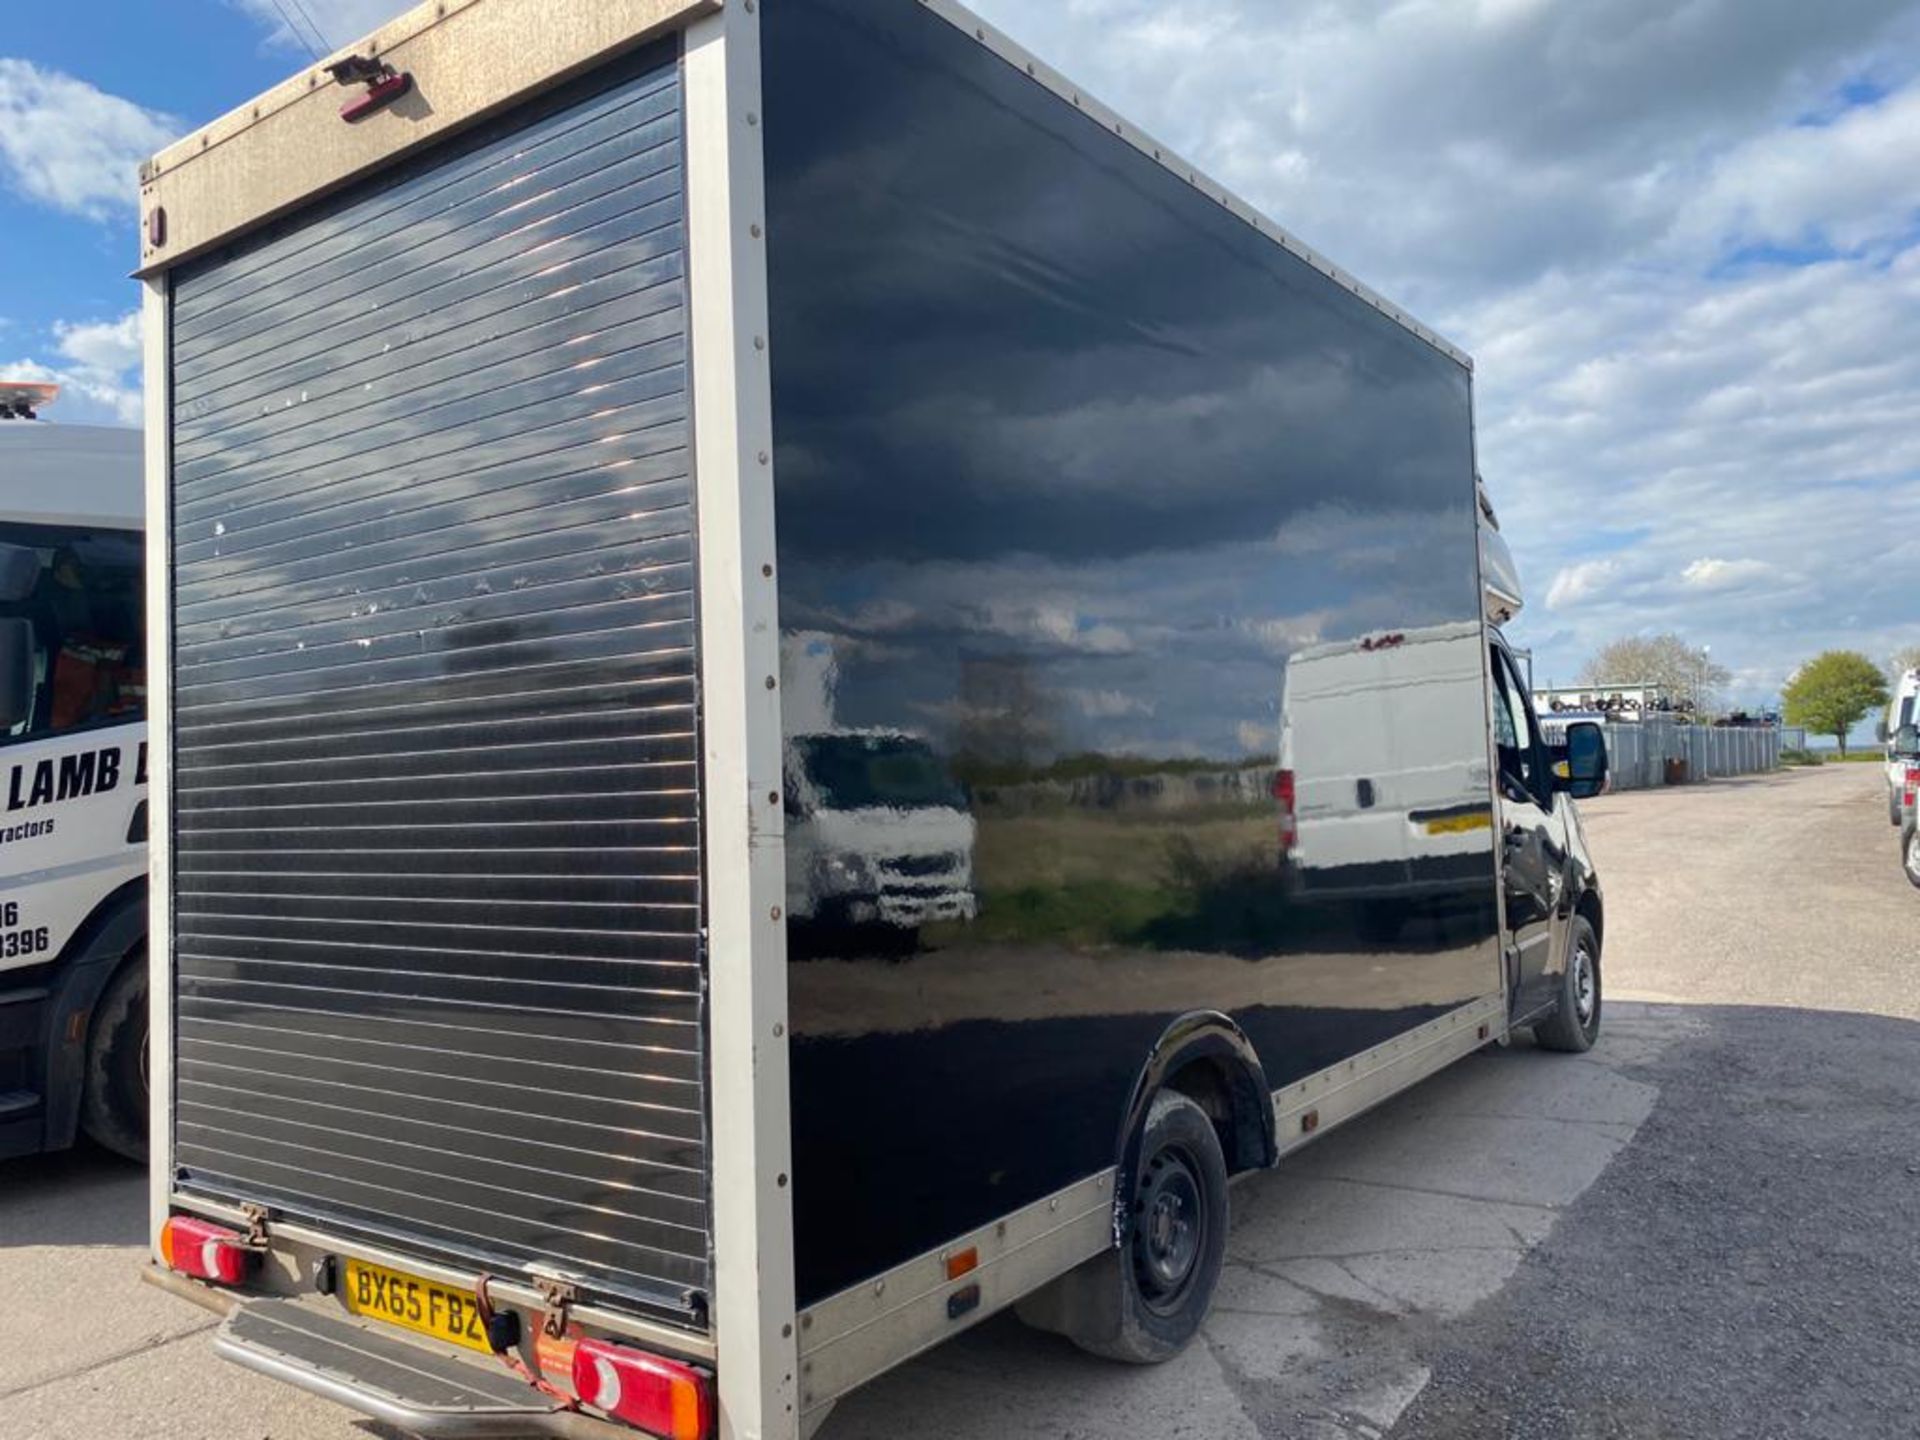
{"x": 801, "y": 688}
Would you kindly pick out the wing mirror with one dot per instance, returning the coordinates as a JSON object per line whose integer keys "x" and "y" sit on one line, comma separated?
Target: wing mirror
{"x": 1582, "y": 773}
{"x": 16, "y": 672}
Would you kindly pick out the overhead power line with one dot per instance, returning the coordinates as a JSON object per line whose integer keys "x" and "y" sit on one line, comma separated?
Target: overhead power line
{"x": 304, "y": 38}
{"x": 313, "y": 25}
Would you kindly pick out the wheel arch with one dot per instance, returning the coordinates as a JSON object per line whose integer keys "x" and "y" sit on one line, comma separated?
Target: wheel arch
{"x": 1208, "y": 1058}
{"x": 1590, "y": 908}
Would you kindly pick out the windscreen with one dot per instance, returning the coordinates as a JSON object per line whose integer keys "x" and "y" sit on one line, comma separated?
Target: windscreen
{"x": 854, "y": 772}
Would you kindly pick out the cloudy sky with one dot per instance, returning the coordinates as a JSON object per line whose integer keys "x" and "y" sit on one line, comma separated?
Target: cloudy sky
{"x": 1681, "y": 238}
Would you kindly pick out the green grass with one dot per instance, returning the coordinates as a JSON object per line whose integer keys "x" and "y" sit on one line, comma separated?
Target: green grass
{"x": 1074, "y": 914}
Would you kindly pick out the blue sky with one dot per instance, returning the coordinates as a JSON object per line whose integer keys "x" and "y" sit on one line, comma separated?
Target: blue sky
{"x": 1682, "y": 241}
{"x": 187, "y": 59}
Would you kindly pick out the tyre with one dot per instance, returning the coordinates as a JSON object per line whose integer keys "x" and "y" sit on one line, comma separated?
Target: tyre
{"x": 1575, "y": 1022}
{"x": 1144, "y": 1302}
{"x": 1910, "y": 855}
{"x": 113, "y": 1107}
{"x": 1893, "y": 804}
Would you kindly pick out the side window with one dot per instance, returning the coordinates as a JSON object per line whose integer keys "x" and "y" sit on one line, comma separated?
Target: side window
{"x": 1506, "y": 735}
{"x": 86, "y": 609}
{"x": 1513, "y": 730}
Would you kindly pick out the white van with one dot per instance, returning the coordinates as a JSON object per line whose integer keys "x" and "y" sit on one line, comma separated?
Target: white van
{"x": 1900, "y": 711}
{"x": 73, "y": 783}
{"x": 1405, "y": 827}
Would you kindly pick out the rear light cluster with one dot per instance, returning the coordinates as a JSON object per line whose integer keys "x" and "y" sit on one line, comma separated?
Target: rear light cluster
{"x": 204, "y": 1250}
{"x": 661, "y": 1396}
{"x": 1285, "y": 793}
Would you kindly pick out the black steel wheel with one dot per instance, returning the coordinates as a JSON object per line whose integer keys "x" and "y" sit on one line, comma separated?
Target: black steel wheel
{"x": 1169, "y": 1230}
{"x": 1575, "y": 1022}
{"x": 1144, "y": 1302}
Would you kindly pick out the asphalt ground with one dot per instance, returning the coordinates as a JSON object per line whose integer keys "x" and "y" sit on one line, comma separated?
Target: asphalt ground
{"x": 1708, "y": 1227}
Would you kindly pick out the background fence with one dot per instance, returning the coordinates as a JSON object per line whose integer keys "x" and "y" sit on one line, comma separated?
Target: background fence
{"x": 1653, "y": 752}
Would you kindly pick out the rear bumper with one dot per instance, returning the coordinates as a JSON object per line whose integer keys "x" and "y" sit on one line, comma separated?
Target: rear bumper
{"x": 425, "y": 1390}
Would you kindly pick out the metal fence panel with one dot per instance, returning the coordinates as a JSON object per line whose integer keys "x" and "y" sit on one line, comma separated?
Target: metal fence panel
{"x": 1643, "y": 753}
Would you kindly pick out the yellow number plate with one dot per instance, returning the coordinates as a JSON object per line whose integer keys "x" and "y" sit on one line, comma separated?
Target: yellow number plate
{"x": 1460, "y": 824}
{"x": 406, "y": 1300}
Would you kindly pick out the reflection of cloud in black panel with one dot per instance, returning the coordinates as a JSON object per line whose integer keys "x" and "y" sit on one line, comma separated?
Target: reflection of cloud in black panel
{"x": 1193, "y": 645}
{"x": 1059, "y": 346}
{"x": 1033, "y": 408}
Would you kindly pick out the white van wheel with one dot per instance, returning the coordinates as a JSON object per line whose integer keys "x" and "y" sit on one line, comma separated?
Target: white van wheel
{"x": 113, "y": 1104}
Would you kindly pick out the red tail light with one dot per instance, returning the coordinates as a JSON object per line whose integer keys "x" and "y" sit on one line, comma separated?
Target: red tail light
{"x": 204, "y": 1250}
{"x": 663, "y": 1396}
{"x": 1283, "y": 791}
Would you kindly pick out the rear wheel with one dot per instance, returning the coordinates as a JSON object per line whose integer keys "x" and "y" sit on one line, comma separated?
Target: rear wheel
{"x": 1910, "y": 855}
{"x": 1144, "y": 1302}
{"x": 114, "y": 1105}
{"x": 1575, "y": 1022}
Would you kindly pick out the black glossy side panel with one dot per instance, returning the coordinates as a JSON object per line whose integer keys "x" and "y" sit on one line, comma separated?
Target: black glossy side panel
{"x": 436, "y": 836}
{"x": 1099, "y": 513}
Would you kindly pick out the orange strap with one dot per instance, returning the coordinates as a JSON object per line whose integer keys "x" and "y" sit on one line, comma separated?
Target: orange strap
{"x": 484, "y": 1304}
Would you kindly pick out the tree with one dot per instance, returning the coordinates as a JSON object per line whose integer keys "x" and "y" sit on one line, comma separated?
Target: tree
{"x": 1835, "y": 691}
{"x": 1684, "y": 672}
{"x": 1901, "y": 661}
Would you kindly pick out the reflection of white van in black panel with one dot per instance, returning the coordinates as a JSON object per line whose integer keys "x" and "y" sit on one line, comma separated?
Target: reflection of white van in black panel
{"x": 878, "y": 832}
{"x": 1383, "y": 807}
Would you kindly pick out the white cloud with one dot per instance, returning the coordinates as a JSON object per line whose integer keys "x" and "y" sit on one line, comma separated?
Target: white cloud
{"x": 1726, "y": 574}
{"x": 112, "y": 345}
{"x": 97, "y": 370}
{"x": 1840, "y": 184}
{"x": 1108, "y": 704}
{"x": 72, "y": 147}
{"x": 1580, "y": 582}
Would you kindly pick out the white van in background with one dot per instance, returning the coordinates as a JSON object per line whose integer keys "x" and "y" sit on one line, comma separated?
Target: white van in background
{"x": 1900, "y": 712}
{"x": 73, "y": 783}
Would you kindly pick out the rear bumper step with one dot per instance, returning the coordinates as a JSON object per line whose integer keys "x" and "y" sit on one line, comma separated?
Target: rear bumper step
{"x": 429, "y": 1392}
